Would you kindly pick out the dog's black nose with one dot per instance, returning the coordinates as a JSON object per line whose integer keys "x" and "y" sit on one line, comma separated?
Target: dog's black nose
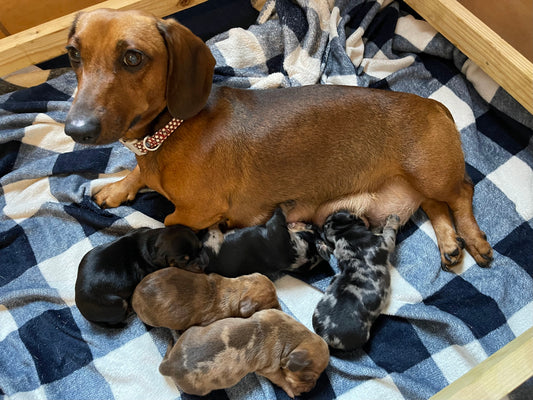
{"x": 83, "y": 129}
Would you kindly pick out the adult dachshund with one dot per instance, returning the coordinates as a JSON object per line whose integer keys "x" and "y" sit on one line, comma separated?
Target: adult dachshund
{"x": 240, "y": 153}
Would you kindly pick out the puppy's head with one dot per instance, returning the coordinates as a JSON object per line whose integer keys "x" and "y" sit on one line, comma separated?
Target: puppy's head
{"x": 130, "y": 66}
{"x": 260, "y": 294}
{"x": 345, "y": 226}
{"x": 177, "y": 246}
{"x": 303, "y": 366}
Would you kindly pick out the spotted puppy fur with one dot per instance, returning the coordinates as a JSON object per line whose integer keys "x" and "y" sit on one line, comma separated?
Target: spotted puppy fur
{"x": 359, "y": 292}
{"x": 269, "y": 249}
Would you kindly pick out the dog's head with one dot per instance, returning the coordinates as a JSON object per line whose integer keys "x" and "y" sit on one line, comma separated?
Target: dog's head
{"x": 303, "y": 366}
{"x": 260, "y": 294}
{"x": 130, "y": 66}
{"x": 177, "y": 246}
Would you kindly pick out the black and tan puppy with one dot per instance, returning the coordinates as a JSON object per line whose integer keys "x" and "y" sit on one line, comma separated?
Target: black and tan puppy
{"x": 267, "y": 249}
{"x": 270, "y": 343}
{"x": 178, "y": 299}
{"x": 359, "y": 292}
{"x": 108, "y": 274}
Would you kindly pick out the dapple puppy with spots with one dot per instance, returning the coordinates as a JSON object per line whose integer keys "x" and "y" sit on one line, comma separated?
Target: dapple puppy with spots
{"x": 269, "y": 343}
{"x": 359, "y": 292}
{"x": 268, "y": 249}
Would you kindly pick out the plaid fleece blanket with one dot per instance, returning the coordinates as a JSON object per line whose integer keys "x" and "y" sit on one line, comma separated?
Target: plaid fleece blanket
{"x": 437, "y": 326}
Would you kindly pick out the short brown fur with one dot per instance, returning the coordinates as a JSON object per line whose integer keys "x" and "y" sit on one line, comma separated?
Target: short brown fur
{"x": 270, "y": 343}
{"x": 241, "y": 153}
{"x": 178, "y": 299}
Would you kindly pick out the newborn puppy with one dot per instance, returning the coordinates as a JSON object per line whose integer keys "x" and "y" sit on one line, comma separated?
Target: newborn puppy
{"x": 178, "y": 299}
{"x": 267, "y": 249}
{"x": 108, "y": 274}
{"x": 358, "y": 293}
{"x": 270, "y": 343}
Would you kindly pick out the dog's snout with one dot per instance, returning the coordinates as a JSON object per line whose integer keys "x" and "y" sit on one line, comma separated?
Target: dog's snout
{"x": 83, "y": 129}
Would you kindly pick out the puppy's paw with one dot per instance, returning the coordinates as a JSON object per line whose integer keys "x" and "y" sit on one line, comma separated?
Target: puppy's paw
{"x": 393, "y": 220}
{"x": 324, "y": 250}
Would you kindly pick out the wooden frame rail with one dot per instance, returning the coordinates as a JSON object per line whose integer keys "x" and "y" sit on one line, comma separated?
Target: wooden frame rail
{"x": 497, "y": 376}
{"x": 48, "y": 40}
{"x": 502, "y": 62}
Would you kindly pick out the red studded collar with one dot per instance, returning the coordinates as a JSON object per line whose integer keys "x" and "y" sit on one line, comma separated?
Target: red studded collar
{"x": 152, "y": 143}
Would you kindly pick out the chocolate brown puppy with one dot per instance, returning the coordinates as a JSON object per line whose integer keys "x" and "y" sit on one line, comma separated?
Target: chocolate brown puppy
{"x": 269, "y": 343}
{"x": 178, "y": 299}
{"x": 109, "y": 273}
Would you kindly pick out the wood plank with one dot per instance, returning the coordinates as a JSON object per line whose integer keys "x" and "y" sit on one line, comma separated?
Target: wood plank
{"x": 48, "y": 40}
{"x": 510, "y": 69}
{"x": 497, "y": 376}
{"x": 512, "y": 20}
{"x": 18, "y": 15}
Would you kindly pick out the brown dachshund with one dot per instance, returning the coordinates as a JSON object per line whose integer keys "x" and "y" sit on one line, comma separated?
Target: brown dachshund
{"x": 270, "y": 343}
{"x": 178, "y": 299}
{"x": 240, "y": 153}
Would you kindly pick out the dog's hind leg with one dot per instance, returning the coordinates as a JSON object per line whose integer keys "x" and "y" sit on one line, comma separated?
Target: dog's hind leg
{"x": 450, "y": 244}
{"x": 467, "y": 227}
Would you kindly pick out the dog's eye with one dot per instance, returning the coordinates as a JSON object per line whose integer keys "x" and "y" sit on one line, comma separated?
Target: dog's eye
{"x": 74, "y": 55}
{"x": 133, "y": 58}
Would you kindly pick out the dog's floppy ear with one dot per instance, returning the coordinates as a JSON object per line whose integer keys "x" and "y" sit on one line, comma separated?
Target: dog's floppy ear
{"x": 190, "y": 69}
{"x": 296, "y": 360}
{"x": 72, "y": 30}
{"x": 247, "y": 306}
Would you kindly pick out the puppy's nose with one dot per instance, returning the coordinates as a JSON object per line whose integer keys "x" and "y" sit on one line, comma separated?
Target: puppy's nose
{"x": 83, "y": 129}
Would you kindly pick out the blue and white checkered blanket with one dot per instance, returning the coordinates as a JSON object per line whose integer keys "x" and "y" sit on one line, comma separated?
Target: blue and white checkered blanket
{"x": 437, "y": 326}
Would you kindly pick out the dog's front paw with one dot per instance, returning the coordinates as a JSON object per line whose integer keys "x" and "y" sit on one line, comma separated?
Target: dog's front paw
{"x": 113, "y": 195}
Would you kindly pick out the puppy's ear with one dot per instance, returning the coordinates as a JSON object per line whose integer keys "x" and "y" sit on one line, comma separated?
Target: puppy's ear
{"x": 296, "y": 360}
{"x": 190, "y": 69}
{"x": 247, "y": 306}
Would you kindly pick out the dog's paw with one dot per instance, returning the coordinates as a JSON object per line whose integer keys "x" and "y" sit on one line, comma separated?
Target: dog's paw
{"x": 452, "y": 254}
{"x": 393, "y": 221}
{"x": 324, "y": 250}
{"x": 114, "y": 194}
{"x": 480, "y": 250}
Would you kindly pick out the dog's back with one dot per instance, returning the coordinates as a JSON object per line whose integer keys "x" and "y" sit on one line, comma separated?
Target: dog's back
{"x": 357, "y": 294}
{"x": 266, "y": 249}
{"x": 107, "y": 275}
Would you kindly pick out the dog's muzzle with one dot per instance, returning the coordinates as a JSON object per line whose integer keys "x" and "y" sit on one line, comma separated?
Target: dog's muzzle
{"x": 83, "y": 129}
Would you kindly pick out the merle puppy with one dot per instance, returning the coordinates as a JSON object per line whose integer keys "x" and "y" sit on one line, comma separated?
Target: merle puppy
{"x": 108, "y": 274}
{"x": 359, "y": 292}
{"x": 267, "y": 249}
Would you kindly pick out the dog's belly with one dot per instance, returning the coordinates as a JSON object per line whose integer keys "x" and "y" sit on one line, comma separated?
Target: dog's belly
{"x": 396, "y": 197}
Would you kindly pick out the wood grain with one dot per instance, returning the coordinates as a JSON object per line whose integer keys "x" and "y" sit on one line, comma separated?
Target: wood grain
{"x": 510, "y": 69}
{"x": 497, "y": 376}
{"x": 48, "y": 40}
